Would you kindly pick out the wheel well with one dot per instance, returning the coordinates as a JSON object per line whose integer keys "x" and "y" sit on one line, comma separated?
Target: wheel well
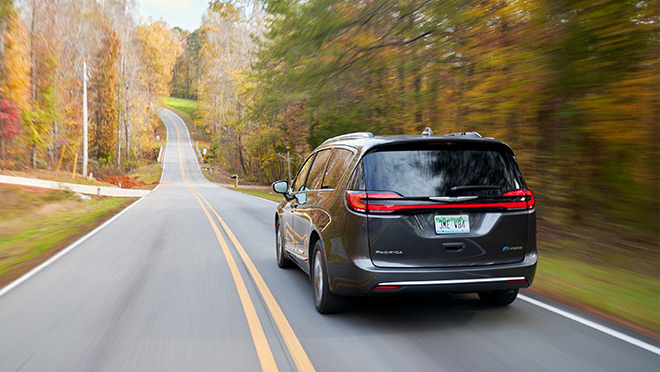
{"x": 313, "y": 238}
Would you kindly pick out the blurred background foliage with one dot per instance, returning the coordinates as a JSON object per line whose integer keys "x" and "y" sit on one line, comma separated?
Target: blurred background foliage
{"x": 572, "y": 86}
{"x": 43, "y": 45}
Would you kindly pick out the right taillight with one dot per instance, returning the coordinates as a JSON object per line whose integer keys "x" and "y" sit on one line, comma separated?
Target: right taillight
{"x": 526, "y": 199}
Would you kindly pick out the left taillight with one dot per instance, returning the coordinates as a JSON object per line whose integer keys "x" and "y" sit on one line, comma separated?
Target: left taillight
{"x": 359, "y": 201}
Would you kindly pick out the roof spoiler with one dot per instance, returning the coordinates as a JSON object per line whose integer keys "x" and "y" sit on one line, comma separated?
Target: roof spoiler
{"x": 465, "y": 134}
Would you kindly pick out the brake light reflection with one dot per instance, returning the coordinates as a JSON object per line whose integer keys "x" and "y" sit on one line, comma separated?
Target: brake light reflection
{"x": 387, "y": 287}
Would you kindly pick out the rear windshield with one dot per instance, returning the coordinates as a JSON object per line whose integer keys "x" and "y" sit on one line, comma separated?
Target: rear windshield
{"x": 445, "y": 171}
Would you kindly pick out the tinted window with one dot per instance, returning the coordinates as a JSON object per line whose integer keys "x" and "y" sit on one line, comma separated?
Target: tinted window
{"x": 318, "y": 169}
{"x": 442, "y": 172}
{"x": 336, "y": 167}
{"x": 299, "y": 183}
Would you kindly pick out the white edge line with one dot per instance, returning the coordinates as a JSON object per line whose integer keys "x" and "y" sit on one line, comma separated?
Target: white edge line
{"x": 66, "y": 250}
{"x": 599, "y": 327}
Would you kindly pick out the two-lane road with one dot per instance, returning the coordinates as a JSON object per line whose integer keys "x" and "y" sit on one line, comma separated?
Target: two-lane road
{"x": 186, "y": 280}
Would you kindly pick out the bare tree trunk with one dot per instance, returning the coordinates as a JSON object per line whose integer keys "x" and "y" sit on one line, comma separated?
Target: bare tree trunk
{"x": 128, "y": 124}
{"x": 34, "y": 156}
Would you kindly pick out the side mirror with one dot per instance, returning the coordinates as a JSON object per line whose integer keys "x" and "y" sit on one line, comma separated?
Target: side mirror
{"x": 301, "y": 198}
{"x": 281, "y": 187}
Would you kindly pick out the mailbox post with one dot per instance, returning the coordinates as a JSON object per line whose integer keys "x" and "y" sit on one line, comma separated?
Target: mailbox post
{"x": 235, "y": 178}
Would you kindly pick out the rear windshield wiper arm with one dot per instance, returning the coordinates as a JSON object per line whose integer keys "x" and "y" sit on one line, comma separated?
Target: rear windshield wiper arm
{"x": 474, "y": 187}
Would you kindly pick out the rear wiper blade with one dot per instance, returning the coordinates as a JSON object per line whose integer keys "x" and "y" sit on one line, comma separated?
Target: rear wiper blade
{"x": 474, "y": 187}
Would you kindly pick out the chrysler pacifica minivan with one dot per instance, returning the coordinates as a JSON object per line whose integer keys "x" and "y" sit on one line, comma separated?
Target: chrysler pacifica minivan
{"x": 371, "y": 215}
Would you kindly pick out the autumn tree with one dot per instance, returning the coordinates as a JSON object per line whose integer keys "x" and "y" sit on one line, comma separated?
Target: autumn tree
{"x": 106, "y": 85}
{"x": 9, "y": 123}
{"x": 160, "y": 49}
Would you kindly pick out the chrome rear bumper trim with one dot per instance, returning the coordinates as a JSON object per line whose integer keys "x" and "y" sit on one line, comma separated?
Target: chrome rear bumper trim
{"x": 454, "y": 281}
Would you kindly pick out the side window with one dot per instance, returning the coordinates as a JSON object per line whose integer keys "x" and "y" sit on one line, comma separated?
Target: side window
{"x": 299, "y": 182}
{"x": 318, "y": 169}
{"x": 357, "y": 179}
{"x": 336, "y": 167}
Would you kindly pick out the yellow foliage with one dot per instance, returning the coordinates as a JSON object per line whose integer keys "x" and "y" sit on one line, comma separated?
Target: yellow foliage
{"x": 15, "y": 76}
{"x": 160, "y": 49}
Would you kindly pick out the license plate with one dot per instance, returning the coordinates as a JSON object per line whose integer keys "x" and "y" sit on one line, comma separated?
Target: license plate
{"x": 452, "y": 224}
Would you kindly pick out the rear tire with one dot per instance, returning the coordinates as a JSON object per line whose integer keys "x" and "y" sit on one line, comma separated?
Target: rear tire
{"x": 325, "y": 301}
{"x": 499, "y": 298}
{"x": 282, "y": 260}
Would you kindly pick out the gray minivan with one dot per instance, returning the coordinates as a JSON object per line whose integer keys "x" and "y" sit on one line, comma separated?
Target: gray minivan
{"x": 370, "y": 215}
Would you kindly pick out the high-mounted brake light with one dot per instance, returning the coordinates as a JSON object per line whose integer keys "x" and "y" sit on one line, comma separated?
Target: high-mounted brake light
{"x": 377, "y": 202}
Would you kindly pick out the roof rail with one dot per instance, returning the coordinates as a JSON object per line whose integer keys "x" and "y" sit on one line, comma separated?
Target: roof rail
{"x": 355, "y": 135}
{"x": 466, "y": 134}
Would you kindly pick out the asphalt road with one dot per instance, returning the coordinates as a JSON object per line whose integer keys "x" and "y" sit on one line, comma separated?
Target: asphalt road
{"x": 159, "y": 289}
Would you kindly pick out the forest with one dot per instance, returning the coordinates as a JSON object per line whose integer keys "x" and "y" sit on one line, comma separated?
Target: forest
{"x": 45, "y": 45}
{"x": 572, "y": 86}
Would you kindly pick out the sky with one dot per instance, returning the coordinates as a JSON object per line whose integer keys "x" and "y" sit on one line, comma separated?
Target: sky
{"x": 186, "y": 14}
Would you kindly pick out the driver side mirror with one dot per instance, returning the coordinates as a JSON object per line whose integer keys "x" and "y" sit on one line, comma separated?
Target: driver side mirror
{"x": 282, "y": 187}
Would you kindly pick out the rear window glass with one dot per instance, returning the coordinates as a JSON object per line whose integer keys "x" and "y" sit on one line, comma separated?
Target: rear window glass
{"x": 442, "y": 172}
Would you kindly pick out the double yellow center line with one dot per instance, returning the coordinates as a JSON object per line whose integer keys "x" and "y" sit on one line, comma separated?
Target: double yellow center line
{"x": 264, "y": 352}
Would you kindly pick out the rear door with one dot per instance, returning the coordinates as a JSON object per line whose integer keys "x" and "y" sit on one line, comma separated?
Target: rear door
{"x": 304, "y": 213}
{"x": 445, "y": 204}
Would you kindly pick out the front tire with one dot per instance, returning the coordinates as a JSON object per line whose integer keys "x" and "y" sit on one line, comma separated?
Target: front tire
{"x": 282, "y": 260}
{"x": 325, "y": 301}
{"x": 499, "y": 298}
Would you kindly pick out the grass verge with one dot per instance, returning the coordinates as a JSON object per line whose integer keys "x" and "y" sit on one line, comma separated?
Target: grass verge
{"x": 149, "y": 174}
{"x": 36, "y": 224}
{"x": 185, "y": 107}
{"x": 265, "y": 192}
{"x": 626, "y": 297}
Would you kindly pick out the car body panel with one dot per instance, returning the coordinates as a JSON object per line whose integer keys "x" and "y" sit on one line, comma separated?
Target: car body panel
{"x": 350, "y": 238}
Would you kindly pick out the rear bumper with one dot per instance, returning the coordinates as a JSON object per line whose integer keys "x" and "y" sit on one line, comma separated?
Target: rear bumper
{"x": 361, "y": 277}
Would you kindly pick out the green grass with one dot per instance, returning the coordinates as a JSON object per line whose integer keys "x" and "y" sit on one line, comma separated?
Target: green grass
{"x": 186, "y": 107}
{"x": 260, "y": 192}
{"x": 621, "y": 293}
{"x": 150, "y": 173}
{"x": 45, "y": 223}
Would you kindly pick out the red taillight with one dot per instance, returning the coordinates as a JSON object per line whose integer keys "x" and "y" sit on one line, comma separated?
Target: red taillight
{"x": 376, "y": 202}
{"x": 527, "y": 201}
{"x": 386, "y": 287}
{"x": 521, "y": 281}
{"x": 359, "y": 201}
{"x": 354, "y": 200}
